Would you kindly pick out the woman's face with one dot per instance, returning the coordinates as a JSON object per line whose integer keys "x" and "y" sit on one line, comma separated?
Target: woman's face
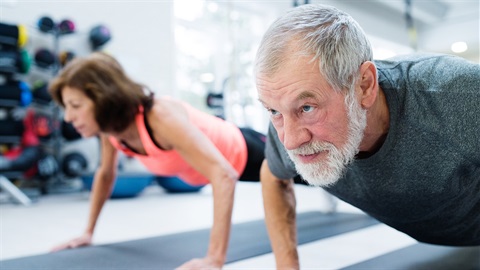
{"x": 80, "y": 111}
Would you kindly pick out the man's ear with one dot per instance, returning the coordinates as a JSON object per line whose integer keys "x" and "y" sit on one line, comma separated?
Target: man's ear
{"x": 368, "y": 84}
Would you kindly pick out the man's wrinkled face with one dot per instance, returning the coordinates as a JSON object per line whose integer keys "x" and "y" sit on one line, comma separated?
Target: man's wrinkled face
{"x": 319, "y": 131}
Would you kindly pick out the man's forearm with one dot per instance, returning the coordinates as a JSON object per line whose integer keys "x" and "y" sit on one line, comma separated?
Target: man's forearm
{"x": 280, "y": 217}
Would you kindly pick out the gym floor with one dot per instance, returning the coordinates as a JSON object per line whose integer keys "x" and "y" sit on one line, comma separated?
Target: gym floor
{"x": 54, "y": 218}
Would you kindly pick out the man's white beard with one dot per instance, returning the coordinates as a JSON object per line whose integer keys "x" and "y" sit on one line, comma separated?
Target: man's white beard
{"x": 328, "y": 172}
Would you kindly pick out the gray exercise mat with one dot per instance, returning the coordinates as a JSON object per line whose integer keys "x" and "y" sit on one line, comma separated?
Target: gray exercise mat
{"x": 247, "y": 240}
{"x": 425, "y": 257}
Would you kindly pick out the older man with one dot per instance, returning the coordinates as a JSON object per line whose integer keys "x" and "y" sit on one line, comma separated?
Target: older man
{"x": 398, "y": 139}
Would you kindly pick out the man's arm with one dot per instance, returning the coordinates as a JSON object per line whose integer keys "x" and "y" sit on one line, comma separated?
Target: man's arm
{"x": 280, "y": 217}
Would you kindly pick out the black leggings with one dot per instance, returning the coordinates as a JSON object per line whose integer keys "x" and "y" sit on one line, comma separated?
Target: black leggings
{"x": 256, "y": 154}
{"x": 255, "y": 149}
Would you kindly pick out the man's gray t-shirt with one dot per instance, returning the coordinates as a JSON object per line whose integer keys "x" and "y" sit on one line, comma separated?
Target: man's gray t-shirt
{"x": 425, "y": 179}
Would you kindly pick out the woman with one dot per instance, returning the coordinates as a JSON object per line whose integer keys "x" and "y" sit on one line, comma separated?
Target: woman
{"x": 168, "y": 136}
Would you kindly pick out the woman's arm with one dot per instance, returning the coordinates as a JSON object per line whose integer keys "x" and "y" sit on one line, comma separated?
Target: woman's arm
{"x": 197, "y": 149}
{"x": 103, "y": 181}
{"x": 101, "y": 190}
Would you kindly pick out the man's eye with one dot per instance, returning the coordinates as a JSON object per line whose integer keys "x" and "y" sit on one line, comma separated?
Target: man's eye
{"x": 307, "y": 108}
{"x": 273, "y": 112}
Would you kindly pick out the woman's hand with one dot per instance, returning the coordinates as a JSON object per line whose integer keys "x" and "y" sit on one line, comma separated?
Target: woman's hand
{"x": 203, "y": 263}
{"x": 83, "y": 240}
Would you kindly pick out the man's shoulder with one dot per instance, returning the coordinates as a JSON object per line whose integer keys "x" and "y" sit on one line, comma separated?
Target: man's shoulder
{"x": 424, "y": 60}
{"x": 428, "y": 71}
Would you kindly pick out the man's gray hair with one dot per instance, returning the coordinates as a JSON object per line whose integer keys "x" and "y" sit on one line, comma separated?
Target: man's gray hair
{"x": 328, "y": 35}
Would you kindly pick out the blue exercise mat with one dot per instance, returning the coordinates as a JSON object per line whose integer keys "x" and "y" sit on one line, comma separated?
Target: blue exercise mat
{"x": 247, "y": 240}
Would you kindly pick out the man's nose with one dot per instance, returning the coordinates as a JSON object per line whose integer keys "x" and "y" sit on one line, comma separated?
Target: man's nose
{"x": 294, "y": 134}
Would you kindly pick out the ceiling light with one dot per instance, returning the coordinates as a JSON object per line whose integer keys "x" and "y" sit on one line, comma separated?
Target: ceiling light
{"x": 459, "y": 47}
{"x": 207, "y": 77}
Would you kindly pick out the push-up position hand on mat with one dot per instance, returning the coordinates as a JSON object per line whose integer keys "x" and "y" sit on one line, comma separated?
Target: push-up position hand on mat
{"x": 397, "y": 138}
{"x": 168, "y": 136}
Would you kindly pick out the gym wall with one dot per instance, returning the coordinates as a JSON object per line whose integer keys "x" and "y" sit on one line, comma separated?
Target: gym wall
{"x": 142, "y": 35}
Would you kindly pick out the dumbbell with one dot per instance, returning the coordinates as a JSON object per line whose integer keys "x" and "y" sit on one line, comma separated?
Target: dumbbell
{"x": 15, "y": 36}
{"x": 74, "y": 164}
{"x": 14, "y": 61}
{"x": 15, "y": 93}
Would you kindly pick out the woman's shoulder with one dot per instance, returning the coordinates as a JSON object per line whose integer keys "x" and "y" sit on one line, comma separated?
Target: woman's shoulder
{"x": 166, "y": 102}
{"x": 166, "y": 108}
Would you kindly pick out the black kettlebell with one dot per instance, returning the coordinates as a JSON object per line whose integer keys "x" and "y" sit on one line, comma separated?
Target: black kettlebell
{"x": 99, "y": 36}
{"x": 46, "y": 24}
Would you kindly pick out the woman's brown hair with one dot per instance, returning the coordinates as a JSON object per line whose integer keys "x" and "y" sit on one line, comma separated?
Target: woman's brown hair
{"x": 101, "y": 78}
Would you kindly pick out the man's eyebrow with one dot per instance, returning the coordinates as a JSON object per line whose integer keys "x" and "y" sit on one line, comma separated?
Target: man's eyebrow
{"x": 262, "y": 102}
{"x": 305, "y": 95}
{"x": 302, "y": 95}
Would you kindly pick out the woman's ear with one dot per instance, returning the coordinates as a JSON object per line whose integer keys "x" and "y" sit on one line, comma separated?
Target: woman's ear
{"x": 368, "y": 84}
